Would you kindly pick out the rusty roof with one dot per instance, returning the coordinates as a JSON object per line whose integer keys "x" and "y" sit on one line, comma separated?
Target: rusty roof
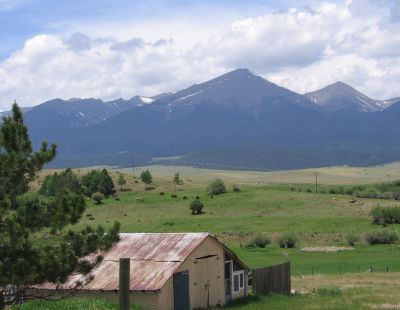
{"x": 154, "y": 259}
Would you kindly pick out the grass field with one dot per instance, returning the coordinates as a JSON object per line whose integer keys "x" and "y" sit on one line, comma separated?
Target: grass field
{"x": 346, "y": 292}
{"x": 267, "y": 205}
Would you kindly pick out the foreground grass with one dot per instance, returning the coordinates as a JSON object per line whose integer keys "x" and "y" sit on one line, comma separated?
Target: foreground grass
{"x": 363, "y": 291}
{"x": 69, "y": 304}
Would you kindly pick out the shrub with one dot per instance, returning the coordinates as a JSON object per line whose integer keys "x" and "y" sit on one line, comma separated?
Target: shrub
{"x": 287, "y": 241}
{"x": 382, "y": 216}
{"x": 352, "y": 239}
{"x": 259, "y": 241}
{"x": 236, "y": 188}
{"x": 216, "y": 187}
{"x": 146, "y": 177}
{"x": 98, "y": 197}
{"x": 382, "y": 237}
{"x": 149, "y": 187}
{"x": 196, "y": 206}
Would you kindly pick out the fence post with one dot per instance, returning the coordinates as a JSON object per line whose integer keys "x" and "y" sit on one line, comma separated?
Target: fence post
{"x": 124, "y": 283}
{"x": 2, "y": 301}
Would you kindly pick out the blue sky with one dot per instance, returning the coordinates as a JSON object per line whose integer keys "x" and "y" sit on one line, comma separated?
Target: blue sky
{"x": 109, "y": 49}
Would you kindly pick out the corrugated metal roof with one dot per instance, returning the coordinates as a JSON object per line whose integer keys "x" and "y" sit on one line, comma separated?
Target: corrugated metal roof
{"x": 154, "y": 259}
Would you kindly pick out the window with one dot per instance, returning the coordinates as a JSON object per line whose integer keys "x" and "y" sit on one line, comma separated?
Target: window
{"x": 236, "y": 283}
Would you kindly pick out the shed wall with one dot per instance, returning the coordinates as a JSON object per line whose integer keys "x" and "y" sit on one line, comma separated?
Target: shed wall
{"x": 206, "y": 278}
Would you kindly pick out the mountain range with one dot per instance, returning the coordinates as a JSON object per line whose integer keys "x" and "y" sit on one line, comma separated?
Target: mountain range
{"x": 238, "y": 120}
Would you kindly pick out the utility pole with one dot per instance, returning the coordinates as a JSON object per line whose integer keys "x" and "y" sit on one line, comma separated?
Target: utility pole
{"x": 316, "y": 182}
{"x": 132, "y": 163}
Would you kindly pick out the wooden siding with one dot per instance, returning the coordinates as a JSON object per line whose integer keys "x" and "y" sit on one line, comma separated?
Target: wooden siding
{"x": 206, "y": 278}
{"x": 272, "y": 280}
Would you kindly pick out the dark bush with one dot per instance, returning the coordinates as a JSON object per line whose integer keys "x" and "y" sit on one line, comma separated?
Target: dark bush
{"x": 98, "y": 197}
{"x": 287, "y": 241}
{"x": 149, "y": 187}
{"x": 382, "y": 216}
{"x": 259, "y": 241}
{"x": 382, "y": 237}
{"x": 216, "y": 187}
{"x": 196, "y": 206}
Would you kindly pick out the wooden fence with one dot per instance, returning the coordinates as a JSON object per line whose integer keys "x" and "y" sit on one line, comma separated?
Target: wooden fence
{"x": 272, "y": 280}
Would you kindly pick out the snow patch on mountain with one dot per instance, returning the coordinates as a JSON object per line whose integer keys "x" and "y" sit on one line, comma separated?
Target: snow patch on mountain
{"x": 147, "y": 100}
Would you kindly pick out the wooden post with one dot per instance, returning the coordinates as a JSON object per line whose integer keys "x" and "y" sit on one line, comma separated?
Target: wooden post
{"x": 2, "y": 301}
{"x": 124, "y": 283}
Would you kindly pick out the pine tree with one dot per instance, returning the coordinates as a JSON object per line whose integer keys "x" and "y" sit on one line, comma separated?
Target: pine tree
{"x": 98, "y": 181}
{"x": 177, "y": 180}
{"x": 121, "y": 181}
{"x": 23, "y": 263}
{"x": 146, "y": 177}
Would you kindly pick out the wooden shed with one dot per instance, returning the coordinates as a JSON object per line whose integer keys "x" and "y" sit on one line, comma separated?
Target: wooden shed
{"x": 168, "y": 271}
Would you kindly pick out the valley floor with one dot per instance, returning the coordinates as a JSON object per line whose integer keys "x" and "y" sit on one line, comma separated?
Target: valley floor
{"x": 270, "y": 204}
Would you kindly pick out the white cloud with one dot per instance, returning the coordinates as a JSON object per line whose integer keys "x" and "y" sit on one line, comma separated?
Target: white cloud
{"x": 303, "y": 49}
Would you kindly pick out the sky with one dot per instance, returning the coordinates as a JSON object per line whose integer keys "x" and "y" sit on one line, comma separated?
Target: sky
{"x": 110, "y": 49}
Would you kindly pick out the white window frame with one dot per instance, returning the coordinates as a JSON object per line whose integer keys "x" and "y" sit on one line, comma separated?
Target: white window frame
{"x": 237, "y": 273}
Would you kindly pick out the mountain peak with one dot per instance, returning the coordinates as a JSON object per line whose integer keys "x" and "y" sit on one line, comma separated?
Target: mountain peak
{"x": 341, "y": 96}
{"x": 239, "y": 87}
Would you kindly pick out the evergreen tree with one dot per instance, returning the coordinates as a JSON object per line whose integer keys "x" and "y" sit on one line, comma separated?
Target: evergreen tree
{"x": 98, "y": 181}
{"x": 23, "y": 263}
{"x": 196, "y": 206}
{"x": 146, "y": 177}
{"x": 121, "y": 181}
{"x": 177, "y": 179}
{"x": 66, "y": 180}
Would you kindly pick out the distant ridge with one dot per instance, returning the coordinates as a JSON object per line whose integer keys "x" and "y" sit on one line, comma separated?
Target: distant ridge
{"x": 237, "y": 120}
{"x": 340, "y": 96}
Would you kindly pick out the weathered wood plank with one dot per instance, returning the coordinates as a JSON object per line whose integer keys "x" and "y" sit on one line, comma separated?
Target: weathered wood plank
{"x": 272, "y": 280}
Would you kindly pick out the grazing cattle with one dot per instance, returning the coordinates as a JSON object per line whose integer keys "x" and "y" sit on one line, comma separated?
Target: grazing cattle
{"x": 125, "y": 214}
{"x": 184, "y": 197}
{"x": 174, "y": 196}
{"x": 353, "y": 201}
{"x": 162, "y": 194}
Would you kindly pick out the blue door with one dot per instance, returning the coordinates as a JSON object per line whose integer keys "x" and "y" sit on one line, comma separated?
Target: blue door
{"x": 181, "y": 291}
